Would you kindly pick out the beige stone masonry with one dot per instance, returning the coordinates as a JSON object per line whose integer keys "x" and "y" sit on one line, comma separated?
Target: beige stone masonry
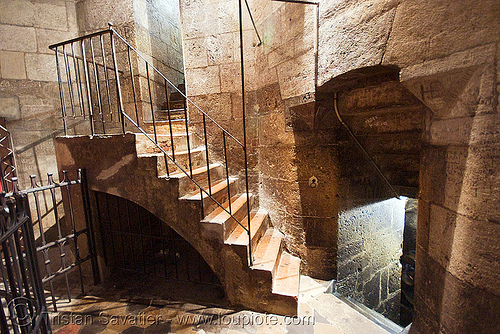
{"x": 12, "y": 65}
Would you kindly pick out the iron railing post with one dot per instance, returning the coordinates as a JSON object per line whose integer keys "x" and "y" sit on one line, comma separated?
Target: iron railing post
{"x": 245, "y": 147}
{"x": 87, "y": 87}
{"x": 117, "y": 76}
{"x": 61, "y": 93}
{"x": 82, "y": 175}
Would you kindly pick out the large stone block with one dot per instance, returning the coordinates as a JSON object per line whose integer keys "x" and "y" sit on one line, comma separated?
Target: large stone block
{"x": 353, "y": 34}
{"x": 9, "y": 108}
{"x": 41, "y": 67}
{"x": 430, "y": 29}
{"x": 466, "y": 247}
{"x": 46, "y": 37}
{"x": 12, "y": 65}
{"x": 296, "y": 76}
{"x": 230, "y": 76}
{"x": 377, "y": 96}
{"x": 14, "y": 38}
{"x": 195, "y": 53}
{"x": 18, "y": 12}
{"x": 50, "y": 15}
{"x": 221, "y": 49}
{"x": 94, "y": 15}
{"x": 204, "y": 80}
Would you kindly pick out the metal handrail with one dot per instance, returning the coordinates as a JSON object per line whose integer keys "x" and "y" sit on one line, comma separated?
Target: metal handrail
{"x": 90, "y": 96}
{"x": 177, "y": 89}
{"x": 361, "y": 147}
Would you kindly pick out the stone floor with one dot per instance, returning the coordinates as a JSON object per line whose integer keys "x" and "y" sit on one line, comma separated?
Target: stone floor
{"x": 114, "y": 309}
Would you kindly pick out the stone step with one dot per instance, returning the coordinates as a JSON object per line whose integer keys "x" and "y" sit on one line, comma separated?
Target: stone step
{"x": 218, "y": 191}
{"x": 268, "y": 251}
{"x": 287, "y": 278}
{"x": 198, "y": 159}
{"x": 343, "y": 317}
{"x": 219, "y": 224}
{"x": 200, "y": 175}
{"x": 163, "y": 126}
{"x": 177, "y": 112}
{"x": 238, "y": 210}
{"x": 259, "y": 222}
{"x": 147, "y": 145}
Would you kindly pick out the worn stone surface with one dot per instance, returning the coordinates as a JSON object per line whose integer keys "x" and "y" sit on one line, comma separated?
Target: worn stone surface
{"x": 433, "y": 29}
{"x": 12, "y": 65}
{"x": 353, "y": 34}
{"x": 9, "y": 107}
{"x": 25, "y": 41}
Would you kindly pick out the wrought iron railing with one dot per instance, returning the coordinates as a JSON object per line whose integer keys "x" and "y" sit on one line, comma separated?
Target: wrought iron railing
{"x": 33, "y": 259}
{"x": 123, "y": 97}
{"x": 8, "y": 160}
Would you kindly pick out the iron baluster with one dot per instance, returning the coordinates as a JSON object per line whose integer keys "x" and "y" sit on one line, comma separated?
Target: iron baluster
{"x": 78, "y": 80}
{"x": 61, "y": 94}
{"x": 187, "y": 139}
{"x": 106, "y": 77}
{"x": 97, "y": 85}
{"x": 82, "y": 177}
{"x": 73, "y": 227}
{"x": 167, "y": 93}
{"x": 250, "y": 259}
{"x": 45, "y": 251}
{"x": 87, "y": 88}
{"x": 70, "y": 82}
{"x": 117, "y": 77}
{"x": 151, "y": 103}
{"x": 226, "y": 164}
{"x": 62, "y": 252}
{"x": 133, "y": 85}
{"x": 206, "y": 155}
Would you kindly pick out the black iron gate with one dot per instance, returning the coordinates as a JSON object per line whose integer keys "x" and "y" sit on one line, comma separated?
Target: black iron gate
{"x": 136, "y": 241}
{"x": 40, "y": 253}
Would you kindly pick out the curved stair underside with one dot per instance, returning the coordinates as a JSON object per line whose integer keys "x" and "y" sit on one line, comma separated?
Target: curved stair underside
{"x": 278, "y": 268}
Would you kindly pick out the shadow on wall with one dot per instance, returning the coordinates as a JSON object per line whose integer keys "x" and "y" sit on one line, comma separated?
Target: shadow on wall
{"x": 388, "y": 122}
{"x": 457, "y": 240}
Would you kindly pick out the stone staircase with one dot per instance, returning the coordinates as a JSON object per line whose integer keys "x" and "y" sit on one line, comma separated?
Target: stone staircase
{"x": 217, "y": 225}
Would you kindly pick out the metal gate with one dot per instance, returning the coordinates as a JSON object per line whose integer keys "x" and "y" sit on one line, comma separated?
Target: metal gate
{"x": 60, "y": 238}
{"x": 136, "y": 241}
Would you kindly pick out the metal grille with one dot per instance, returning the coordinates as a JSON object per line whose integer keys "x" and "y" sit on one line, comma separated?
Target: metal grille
{"x": 7, "y": 163}
{"x": 35, "y": 253}
{"x": 23, "y": 303}
{"x": 136, "y": 241}
{"x": 65, "y": 237}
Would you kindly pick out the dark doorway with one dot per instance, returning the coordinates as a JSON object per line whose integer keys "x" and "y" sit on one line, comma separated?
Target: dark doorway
{"x": 135, "y": 241}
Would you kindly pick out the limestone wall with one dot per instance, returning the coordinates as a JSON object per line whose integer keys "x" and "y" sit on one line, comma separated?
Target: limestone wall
{"x": 279, "y": 77}
{"x": 447, "y": 52}
{"x": 29, "y": 97}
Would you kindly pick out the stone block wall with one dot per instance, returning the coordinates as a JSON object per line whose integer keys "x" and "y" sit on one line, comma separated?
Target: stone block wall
{"x": 447, "y": 52}
{"x": 29, "y": 98}
{"x": 284, "y": 148}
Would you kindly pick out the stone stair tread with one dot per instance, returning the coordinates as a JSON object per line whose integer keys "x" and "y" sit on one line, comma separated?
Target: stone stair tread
{"x": 239, "y": 235}
{"x": 287, "y": 278}
{"x": 160, "y": 154}
{"x": 219, "y": 215}
{"x": 216, "y": 187}
{"x": 193, "y": 150}
{"x": 196, "y": 171}
{"x": 267, "y": 250}
{"x": 166, "y": 121}
{"x": 172, "y": 110}
{"x": 163, "y": 136}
